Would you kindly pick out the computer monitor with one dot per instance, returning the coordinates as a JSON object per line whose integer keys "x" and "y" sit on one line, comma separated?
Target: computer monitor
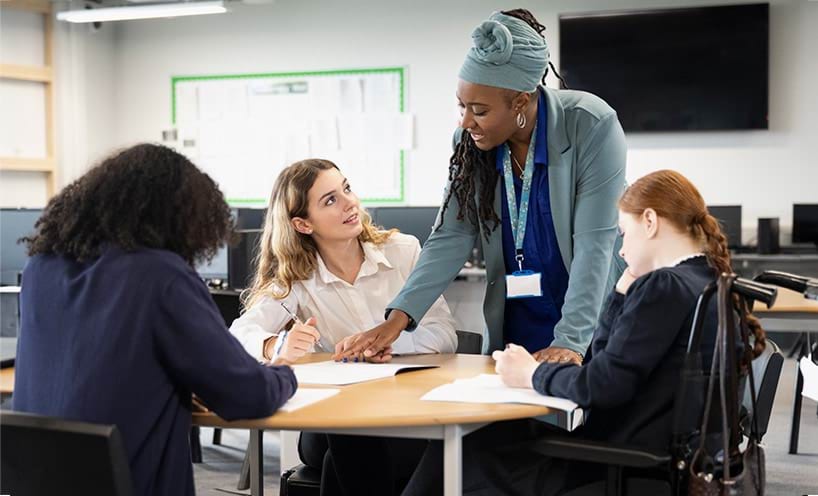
{"x": 241, "y": 259}
{"x": 805, "y": 223}
{"x": 417, "y": 221}
{"x": 245, "y": 219}
{"x": 216, "y": 268}
{"x": 249, "y": 218}
{"x": 729, "y": 216}
{"x": 14, "y": 224}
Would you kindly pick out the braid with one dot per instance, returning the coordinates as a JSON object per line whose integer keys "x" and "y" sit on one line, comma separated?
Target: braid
{"x": 471, "y": 169}
{"x": 718, "y": 257}
{"x": 527, "y": 17}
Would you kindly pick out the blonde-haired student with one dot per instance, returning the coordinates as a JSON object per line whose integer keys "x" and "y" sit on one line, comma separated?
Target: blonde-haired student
{"x": 322, "y": 257}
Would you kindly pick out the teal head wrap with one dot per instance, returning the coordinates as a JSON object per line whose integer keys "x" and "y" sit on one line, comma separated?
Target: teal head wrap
{"x": 507, "y": 53}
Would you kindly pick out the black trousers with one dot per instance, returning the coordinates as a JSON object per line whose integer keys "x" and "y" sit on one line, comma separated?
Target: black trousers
{"x": 499, "y": 460}
{"x": 361, "y": 465}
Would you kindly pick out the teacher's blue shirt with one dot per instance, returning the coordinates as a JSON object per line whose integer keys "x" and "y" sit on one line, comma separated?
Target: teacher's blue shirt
{"x": 529, "y": 322}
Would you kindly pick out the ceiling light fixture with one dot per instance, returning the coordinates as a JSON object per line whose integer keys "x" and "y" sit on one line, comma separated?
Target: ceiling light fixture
{"x": 130, "y": 12}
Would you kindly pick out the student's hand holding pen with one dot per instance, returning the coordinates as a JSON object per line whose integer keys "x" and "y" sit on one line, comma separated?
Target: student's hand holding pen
{"x": 515, "y": 366}
{"x": 295, "y": 343}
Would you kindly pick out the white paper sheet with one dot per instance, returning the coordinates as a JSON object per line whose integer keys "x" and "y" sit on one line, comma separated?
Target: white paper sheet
{"x": 305, "y": 397}
{"x": 331, "y": 373}
{"x": 810, "y": 373}
{"x": 489, "y": 388}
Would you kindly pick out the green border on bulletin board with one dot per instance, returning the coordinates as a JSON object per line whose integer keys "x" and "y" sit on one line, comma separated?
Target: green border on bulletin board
{"x": 381, "y": 70}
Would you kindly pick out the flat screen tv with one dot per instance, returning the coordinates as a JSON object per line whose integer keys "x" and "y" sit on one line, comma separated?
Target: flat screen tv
{"x": 696, "y": 69}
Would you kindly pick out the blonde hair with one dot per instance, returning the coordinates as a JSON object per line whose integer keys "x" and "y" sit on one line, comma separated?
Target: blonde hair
{"x": 676, "y": 199}
{"x": 286, "y": 255}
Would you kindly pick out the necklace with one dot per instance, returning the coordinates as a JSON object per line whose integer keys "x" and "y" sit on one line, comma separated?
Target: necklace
{"x": 514, "y": 159}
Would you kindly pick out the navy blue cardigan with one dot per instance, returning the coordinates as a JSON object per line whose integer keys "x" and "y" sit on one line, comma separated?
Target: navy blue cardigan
{"x": 125, "y": 339}
{"x": 633, "y": 367}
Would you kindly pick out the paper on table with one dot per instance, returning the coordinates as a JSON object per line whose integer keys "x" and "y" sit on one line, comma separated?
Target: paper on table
{"x": 489, "y": 388}
{"x": 810, "y": 372}
{"x": 305, "y": 397}
{"x": 333, "y": 373}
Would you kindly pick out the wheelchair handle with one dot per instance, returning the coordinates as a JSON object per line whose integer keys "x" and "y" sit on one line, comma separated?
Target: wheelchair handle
{"x": 755, "y": 290}
{"x": 807, "y": 286}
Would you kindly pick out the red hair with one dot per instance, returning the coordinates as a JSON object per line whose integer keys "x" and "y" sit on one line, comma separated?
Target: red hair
{"x": 674, "y": 198}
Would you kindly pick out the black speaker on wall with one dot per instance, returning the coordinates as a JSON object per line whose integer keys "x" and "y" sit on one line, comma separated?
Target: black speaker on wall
{"x": 768, "y": 235}
{"x": 241, "y": 259}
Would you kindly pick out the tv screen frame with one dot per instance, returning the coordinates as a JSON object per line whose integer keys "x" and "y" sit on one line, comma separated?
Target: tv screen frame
{"x": 605, "y": 53}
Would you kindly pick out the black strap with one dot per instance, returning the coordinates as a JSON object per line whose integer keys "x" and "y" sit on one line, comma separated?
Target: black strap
{"x": 745, "y": 337}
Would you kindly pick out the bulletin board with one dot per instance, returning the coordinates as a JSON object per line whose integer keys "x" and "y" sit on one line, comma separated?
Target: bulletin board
{"x": 243, "y": 129}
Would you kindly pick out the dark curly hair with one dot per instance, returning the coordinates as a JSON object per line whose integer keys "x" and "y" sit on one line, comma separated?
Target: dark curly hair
{"x": 144, "y": 196}
{"x": 472, "y": 171}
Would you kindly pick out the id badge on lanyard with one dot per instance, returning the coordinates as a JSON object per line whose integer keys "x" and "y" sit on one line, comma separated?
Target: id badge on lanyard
{"x": 520, "y": 283}
{"x": 523, "y": 284}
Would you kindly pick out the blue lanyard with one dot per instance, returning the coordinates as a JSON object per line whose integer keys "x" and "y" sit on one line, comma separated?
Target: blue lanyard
{"x": 519, "y": 219}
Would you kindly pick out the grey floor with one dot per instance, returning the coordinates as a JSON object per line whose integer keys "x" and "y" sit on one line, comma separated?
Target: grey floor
{"x": 786, "y": 474}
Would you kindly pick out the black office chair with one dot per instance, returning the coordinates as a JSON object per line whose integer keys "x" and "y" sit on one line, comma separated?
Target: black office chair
{"x": 766, "y": 371}
{"x": 302, "y": 480}
{"x": 809, "y": 288}
{"x": 46, "y": 456}
{"x": 633, "y": 470}
{"x": 470, "y": 343}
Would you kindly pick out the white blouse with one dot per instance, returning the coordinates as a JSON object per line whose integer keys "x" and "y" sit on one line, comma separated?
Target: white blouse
{"x": 342, "y": 309}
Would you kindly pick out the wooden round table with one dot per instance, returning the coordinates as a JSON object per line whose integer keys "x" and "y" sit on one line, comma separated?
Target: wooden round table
{"x": 392, "y": 407}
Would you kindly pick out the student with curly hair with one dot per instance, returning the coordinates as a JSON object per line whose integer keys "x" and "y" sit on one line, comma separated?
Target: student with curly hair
{"x": 116, "y": 326}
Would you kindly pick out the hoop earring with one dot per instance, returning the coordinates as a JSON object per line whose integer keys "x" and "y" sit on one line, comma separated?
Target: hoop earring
{"x": 521, "y": 120}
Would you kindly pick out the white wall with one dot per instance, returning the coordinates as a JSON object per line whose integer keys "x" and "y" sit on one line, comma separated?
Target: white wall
{"x": 765, "y": 171}
{"x": 83, "y": 63}
{"x": 22, "y": 104}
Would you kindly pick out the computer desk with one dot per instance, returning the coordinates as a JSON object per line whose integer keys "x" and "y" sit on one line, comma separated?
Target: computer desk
{"x": 796, "y": 314}
{"x": 392, "y": 407}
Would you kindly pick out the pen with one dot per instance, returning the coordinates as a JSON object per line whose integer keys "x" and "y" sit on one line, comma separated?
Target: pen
{"x": 291, "y": 314}
{"x": 295, "y": 317}
{"x": 282, "y": 336}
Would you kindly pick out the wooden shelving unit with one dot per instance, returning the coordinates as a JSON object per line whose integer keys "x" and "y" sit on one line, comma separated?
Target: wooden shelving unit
{"x": 36, "y": 74}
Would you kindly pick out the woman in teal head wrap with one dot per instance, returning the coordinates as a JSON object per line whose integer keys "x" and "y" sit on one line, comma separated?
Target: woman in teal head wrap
{"x": 535, "y": 176}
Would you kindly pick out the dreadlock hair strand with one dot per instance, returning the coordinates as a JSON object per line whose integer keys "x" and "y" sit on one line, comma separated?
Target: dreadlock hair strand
{"x": 472, "y": 172}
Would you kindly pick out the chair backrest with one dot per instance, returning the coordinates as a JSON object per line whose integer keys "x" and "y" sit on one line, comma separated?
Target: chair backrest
{"x": 469, "y": 342}
{"x": 766, "y": 372}
{"x": 45, "y": 456}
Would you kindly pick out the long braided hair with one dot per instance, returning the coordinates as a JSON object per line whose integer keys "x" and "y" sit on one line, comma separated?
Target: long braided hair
{"x": 472, "y": 171}
{"x": 676, "y": 199}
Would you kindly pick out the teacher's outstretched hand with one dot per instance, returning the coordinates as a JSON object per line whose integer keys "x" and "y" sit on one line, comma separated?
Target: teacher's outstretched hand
{"x": 375, "y": 345}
